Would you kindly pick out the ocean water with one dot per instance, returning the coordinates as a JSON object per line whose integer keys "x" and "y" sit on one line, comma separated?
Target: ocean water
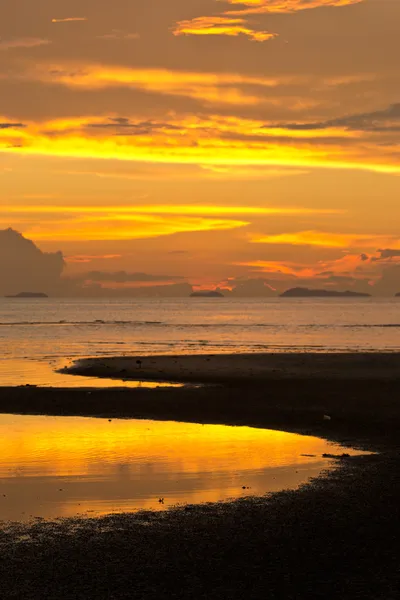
{"x": 40, "y": 335}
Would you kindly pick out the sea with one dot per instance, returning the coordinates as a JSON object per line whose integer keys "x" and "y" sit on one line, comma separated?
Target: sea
{"x": 53, "y": 467}
{"x": 40, "y": 336}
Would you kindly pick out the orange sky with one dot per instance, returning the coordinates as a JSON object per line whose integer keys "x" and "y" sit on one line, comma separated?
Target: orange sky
{"x": 215, "y": 141}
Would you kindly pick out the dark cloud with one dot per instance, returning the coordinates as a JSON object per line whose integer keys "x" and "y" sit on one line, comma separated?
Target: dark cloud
{"x": 25, "y": 268}
{"x": 256, "y": 288}
{"x": 124, "y": 125}
{"x": 388, "y": 253}
{"x": 118, "y": 34}
{"x": 11, "y": 125}
{"x": 389, "y": 284}
{"x": 387, "y": 120}
{"x": 22, "y": 43}
{"x": 125, "y": 277}
{"x": 173, "y": 290}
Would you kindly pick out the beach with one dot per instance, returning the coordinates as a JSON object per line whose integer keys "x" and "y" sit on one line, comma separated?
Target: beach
{"x": 248, "y": 369}
{"x": 333, "y": 538}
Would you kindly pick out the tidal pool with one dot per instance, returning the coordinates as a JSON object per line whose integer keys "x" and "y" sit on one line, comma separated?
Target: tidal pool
{"x": 46, "y": 373}
{"x": 54, "y": 467}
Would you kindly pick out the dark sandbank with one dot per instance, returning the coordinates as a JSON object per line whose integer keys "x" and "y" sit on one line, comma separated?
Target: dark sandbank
{"x": 335, "y": 538}
{"x": 248, "y": 369}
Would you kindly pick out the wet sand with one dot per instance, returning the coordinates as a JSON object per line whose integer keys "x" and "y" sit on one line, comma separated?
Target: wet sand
{"x": 242, "y": 368}
{"x": 335, "y": 538}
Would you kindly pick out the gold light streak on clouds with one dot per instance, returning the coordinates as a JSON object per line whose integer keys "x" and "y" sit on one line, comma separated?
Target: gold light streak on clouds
{"x": 228, "y": 26}
{"x": 69, "y": 20}
{"x": 10, "y": 44}
{"x": 66, "y": 222}
{"x": 347, "y": 265}
{"x": 285, "y": 6}
{"x": 217, "y": 88}
{"x": 233, "y": 23}
{"x": 179, "y": 209}
{"x": 216, "y": 141}
{"x": 329, "y": 240}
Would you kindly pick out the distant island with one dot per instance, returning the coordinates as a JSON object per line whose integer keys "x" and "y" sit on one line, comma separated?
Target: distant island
{"x": 307, "y": 293}
{"x": 397, "y": 295}
{"x": 207, "y": 294}
{"x": 29, "y": 295}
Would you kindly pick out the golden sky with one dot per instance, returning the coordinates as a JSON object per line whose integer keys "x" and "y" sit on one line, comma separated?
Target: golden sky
{"x": 207, "y": 141}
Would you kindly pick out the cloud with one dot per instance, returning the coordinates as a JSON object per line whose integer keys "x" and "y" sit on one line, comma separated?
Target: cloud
{"x": 116, "y": 223}
{"x": 236, "y": 22}
{"x": 88, "y": 258}
{"x": 228, "y": 26}
{"x": 122, "y": 124}
{"x": 118, "y": 34}
{"x": 125, "y": 277}
{"x": 66, "y": 222}
{"x": 214, "y": 88}
{"x": 22, "y": 43}
{"x": 203, "y": 210}
{"x": 25, "y": 268}
{"x": 326, "y": 240}
{"x": 389, "y": 283}
{"x": 388, "y": 253}
{"x": 69, "y": 19}
{"x": 255, "y": 7}
{"x": 386, "y": 120}
{"x": 217, "y": 142}
{"x": 247, "y": 287}
{"x": 12, "y": 125}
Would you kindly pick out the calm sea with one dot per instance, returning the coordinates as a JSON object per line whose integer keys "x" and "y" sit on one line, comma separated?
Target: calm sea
{"x": 38, "y": 336}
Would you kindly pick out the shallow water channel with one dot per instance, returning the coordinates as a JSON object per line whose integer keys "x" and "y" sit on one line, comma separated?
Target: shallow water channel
{"x": 46, "y": 373}
{"x": 54, "y": 467}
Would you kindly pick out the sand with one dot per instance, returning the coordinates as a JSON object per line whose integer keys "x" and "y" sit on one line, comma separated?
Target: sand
{"x": 334, "y": 538}
{"x": 243, "y": 368}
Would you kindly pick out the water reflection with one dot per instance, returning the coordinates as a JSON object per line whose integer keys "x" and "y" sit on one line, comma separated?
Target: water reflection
{"x": 44, "y": 373}
{"x": 63, "y": 466}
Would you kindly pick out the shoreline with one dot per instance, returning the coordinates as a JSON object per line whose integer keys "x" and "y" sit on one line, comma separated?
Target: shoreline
{"x": 332, "y": 538}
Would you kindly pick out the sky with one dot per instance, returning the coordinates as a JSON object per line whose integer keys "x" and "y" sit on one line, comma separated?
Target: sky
{"x": 241, "y": 145}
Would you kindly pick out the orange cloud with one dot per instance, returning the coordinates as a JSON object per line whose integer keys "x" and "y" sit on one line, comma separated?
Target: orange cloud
{"x": 232, "y": 23}
{"x": 205, "y": 210}
{"x": 221, "y": 26}
{"x": 286, "y": 6}
{"x": 59, "y": 222}
{"x": 215, "y": 142}
{"x": 22, "y": 43}
{"x": 119, "y": 227}
{"x": 215, "y": 88}
{"x": 279, "y": 267}
{"x": 69, "y": 19}
{"x": 329, "y": 240}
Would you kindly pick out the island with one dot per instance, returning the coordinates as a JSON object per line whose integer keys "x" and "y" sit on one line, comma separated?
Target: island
{"x": 207, "y": 294}
{"x": 300, "y": 292}
{"x": 397, "y": 295}
{"x": 29, "y": 295}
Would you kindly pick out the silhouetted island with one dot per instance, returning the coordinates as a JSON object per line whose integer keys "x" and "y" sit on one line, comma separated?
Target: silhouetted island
{"x": 397, "y": 295}
{"x": 307, "y": 293}
{"x": 29, "y": 295}
{"x": 207, "y": 294}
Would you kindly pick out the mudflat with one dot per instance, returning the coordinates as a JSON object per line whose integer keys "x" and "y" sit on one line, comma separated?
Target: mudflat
{"x": 243, "y": 368}
{"x": 333, "y": 538}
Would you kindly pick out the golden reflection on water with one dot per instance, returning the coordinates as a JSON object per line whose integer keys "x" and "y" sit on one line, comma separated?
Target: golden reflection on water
{"x": 63, "y": 466}
{"x": 14, "y": 372}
